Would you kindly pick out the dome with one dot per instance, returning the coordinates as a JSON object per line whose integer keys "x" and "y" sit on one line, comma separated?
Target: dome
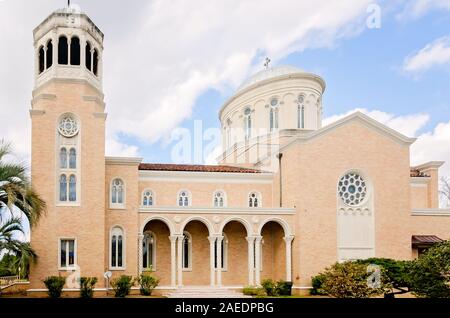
{"x": 270, "y": 73}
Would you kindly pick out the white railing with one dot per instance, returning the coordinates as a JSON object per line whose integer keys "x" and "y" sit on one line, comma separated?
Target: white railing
{"x": 8, "y": 280}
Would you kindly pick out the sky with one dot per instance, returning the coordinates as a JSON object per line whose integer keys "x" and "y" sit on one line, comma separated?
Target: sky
{"x": 170, "y": 65}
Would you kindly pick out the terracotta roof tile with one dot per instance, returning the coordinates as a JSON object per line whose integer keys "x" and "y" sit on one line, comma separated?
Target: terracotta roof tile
{"x": 195, "y": 168}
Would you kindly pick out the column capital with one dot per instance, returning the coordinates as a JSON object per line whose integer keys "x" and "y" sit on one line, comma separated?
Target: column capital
{"x": 250, "y": 239}
{"x": 140, "y": 236}
{"x": 258, "y": 238}
{"x": 288, "y": 238}
{"x": 219, "y": 238}
{"x": 212, "y": 239}
{"x": 173, "y": 238}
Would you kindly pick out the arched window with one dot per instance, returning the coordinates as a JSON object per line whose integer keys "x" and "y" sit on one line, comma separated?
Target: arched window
{"x": 117, "y": 248}
{"x": 254, "y": 200}
{"x": 75, "y": 51}
{"x": 72, "y": 188}
{"x": 224, "y": 253}
{"x": 147, "y": 198}
{"x": 88, "y": 56}
{"x": 228, "y": 131}
{"x": 41, "y": 59}
{"x": 247, "y": 123}
{"x": 219, "y": 199}
{"x": 95, "y": 62}
{"x": 72, "y": 158}
{"x": 63, "y": 50}
{"x": 63, "y": 158}
{"x": 117, "y": 192}
{"x": 49, "y": 54}
{"x": 273, "y": 121}
{"x": 187, "y": 250}
{"x": 63, "y": 188}
{"x": 301, "y": 112}
{"x": 183, "y": 198}
{"x": 149, "y": 251}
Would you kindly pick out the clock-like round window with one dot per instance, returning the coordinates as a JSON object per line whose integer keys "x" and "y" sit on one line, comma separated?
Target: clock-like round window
{"x": 68, "y": 126}
{"x": 352, "y": 189}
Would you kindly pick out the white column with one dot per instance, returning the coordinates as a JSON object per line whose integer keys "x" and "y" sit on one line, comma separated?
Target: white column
{"x": 258, "y": 260}
{"x": 92, "y": 59}
{"x": 219, "y": 260}
{"x": 251, "y": 260}
{"x": 212, "y": 240}
{"x": 180, "y": 259}
{"x": 140, "y": 253}
{"x": 69, "y": 43}
{"x": 288, "y": 241}
{"x": 45, "y": 58}
{"x": 173, "y": 263}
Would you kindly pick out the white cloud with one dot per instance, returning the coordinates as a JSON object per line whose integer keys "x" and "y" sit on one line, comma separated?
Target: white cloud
{"x": 408, "y": 125}
{"x": 117, "y": 148}
{"x": 417, "y": 8}
{"x": 436, "y": 53}
{"x": 211, "y": 158}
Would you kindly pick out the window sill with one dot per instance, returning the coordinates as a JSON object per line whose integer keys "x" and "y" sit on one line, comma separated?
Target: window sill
{"x": 69, "y": 268}
{"x": 146, "y": 270}
{"x": 117, "y": 207}
{"x": 187, "y": 269}
{"x": 68, "y": 204}
{"x": 117, "y": 268}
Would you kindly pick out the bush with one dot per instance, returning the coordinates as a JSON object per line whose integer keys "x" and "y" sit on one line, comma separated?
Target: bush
{"x": 430, "y": 273}
{"x": 54, "y": 285}
{"x": 147, "y": 283}
{"x": 254, "y": 291}
{"x": 351, "y": 280}
{"x": 317, "y": 284}
{"x": 283, "y": 288}
{"x": 122, "y": 285}
{"x": 87, "y": 286}
{"x": 270, "y": 287}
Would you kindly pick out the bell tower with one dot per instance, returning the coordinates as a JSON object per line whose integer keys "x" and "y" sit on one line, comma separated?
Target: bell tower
{"x": 68, "y": 147}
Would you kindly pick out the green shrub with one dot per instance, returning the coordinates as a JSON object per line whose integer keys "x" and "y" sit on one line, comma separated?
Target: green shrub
{"x": 254, "y": 291}
{"x": 87, "y": 286}
{"x": 283, "y": 288}
{"x": 54, "y": 285}
{"x": 147, "y": 283}
{"x": 317, "y": 283}
{"x": 122, "y": 285}
{"x": 270, "y": 287}
{"x": 351, "y": 280}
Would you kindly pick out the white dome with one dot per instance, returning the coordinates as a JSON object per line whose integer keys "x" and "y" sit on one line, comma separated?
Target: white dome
{"x": 270, "y": 73}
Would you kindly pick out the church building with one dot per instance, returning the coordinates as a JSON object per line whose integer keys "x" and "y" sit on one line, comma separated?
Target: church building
{"x": 288, "y": 198}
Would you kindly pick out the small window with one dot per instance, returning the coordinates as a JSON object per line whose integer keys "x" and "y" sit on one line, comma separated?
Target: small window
{"x": 117, "y": 246}
{"x": 88, "y": 55}
{"x": 95, "y": 62}
{"x": 63, "y": 188}
{"x": 219, "y": 199}
{"x": 41, "y": 59}
{"x": 72, "y": 188}
{"x": 247, "y": 123}
{"x": 75, "y": 51}
{"x": 49, "y": 54}
{"x": 73, "y": 158}
{"x": 187, "y": 251}
{"x": 254, "y": 200}
{"x": 301, "y": 112}
{"x": 147, "y": 198}
{"x": 67, "y": 253}
{"x": 63, "y": 57}
{"x": 63, "y": 158}
{"x": 183, "y": 199}
{"x": 117, "y": 192}
{"x": 149, "y": 252}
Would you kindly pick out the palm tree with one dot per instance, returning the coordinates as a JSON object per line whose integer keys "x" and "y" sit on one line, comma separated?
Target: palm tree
{"x": 16, "y": 195}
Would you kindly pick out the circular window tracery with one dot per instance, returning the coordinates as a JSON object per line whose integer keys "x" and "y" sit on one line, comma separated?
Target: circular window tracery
{"x": 68, "y": 126}
{"x": 352, "y": 189}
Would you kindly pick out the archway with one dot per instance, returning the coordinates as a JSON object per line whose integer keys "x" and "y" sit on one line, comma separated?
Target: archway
{"x": 273, "y": 252}
{"x": 235, "y": 254}
{"x": 156, "y": 251}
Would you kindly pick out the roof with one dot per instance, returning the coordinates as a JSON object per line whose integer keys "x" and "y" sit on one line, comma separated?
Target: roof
{"x": 421, "y": 240}
{"x": 195, "y": 168}
{"x": 270, "y": 73}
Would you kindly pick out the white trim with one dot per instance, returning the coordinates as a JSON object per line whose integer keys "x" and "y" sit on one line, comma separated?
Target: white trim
{"x": 286, "y": 228}
{"x": 429, "y": 165}
{"x": 75, "y": 258}
{"x": 224, "y": 259}
{"x": 224, "y": 196}
{"x": 417, "y": 181}
{"x": 206, "y": 177}
{"x": 210, "y": 210}
{"x": 142, "y": 197}
{"x": 123, "y": 160}
{"x": 247, "y": 226}
{"x": 430, "y": 212}
{"x": 118, "y": 206}
{"x": 124, "y": 249}
{"x": 206, "y": 222}
{"x": 166, "y": 221}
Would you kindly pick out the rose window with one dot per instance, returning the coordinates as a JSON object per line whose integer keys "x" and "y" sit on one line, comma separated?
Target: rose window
{"x": 352, "y": 189}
